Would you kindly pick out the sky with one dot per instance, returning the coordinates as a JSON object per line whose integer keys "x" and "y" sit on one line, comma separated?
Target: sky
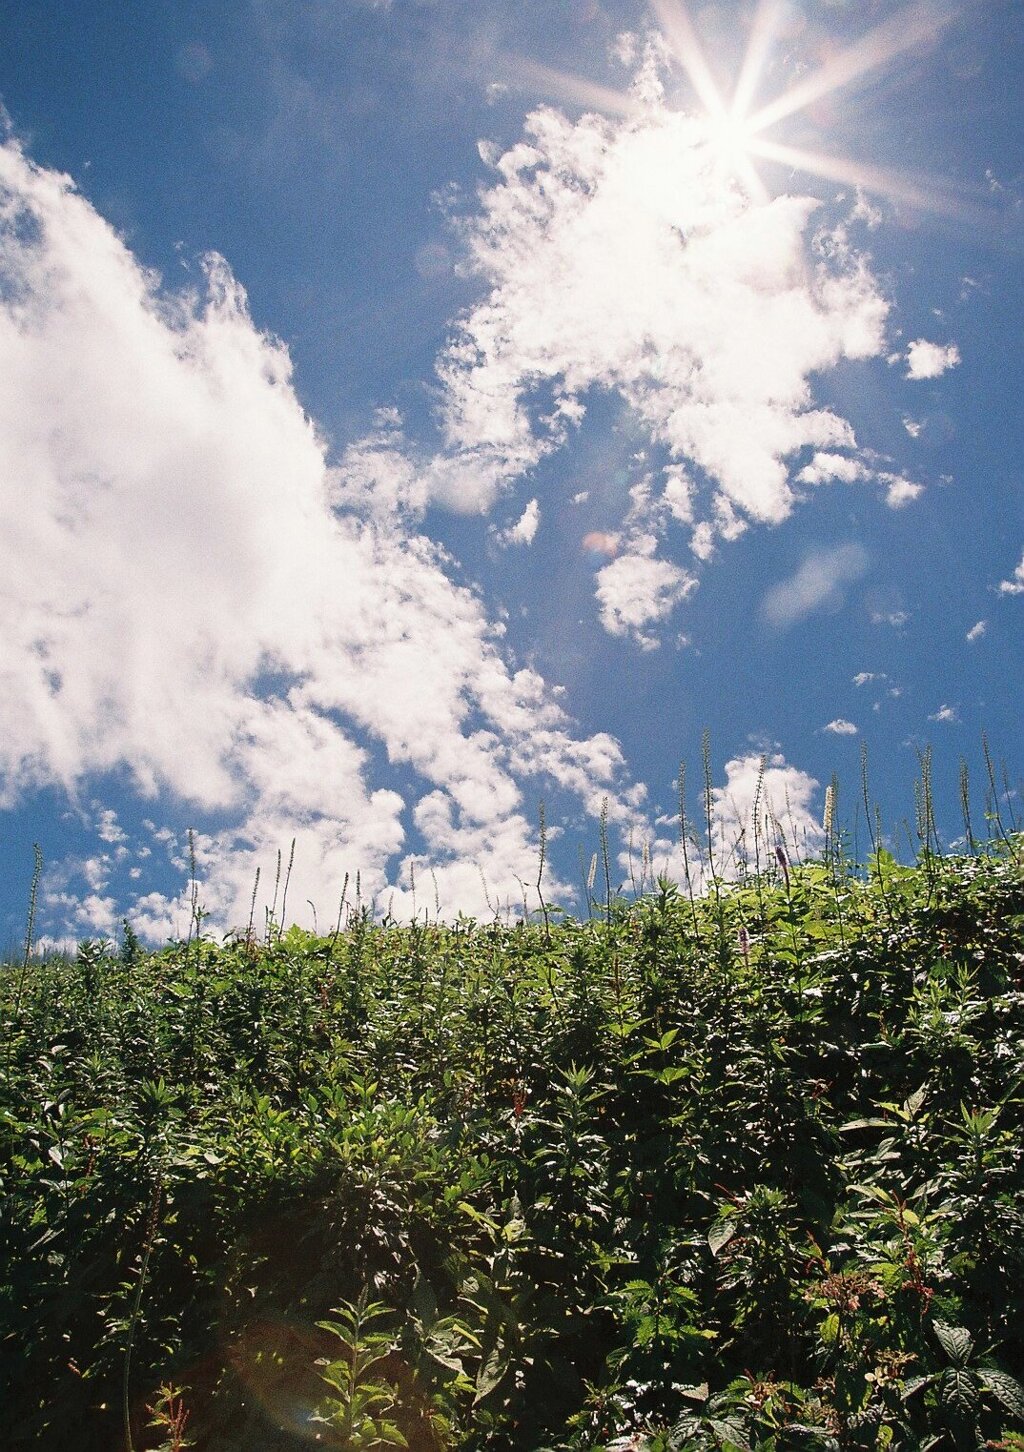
{"x": 424, "y": 424}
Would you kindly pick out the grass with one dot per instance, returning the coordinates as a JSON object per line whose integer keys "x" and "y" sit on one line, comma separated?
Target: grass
{"x": 742, "y": 1170}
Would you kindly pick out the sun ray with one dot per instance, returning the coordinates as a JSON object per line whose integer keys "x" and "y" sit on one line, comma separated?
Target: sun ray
{"x": 926, "y": 195}
{"x": 913, "y": 26}
{"x": 734, "y": 133}
{"x": 763, "y": 33}
{"x": 563, "y": 86}
{"x": 681, "y": 36}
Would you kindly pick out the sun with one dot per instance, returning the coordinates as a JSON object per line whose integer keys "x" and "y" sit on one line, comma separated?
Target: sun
{"x": 732, "y": 142}
{"x": 740, "y": 130}
{"x": 737, "y": 130}
{"x": 730, "y": 135}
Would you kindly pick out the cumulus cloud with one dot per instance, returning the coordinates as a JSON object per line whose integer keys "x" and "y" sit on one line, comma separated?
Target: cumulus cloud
{"x": 637, "y": 589}
{"x": 841, "y": 727}
{"x": 930, "y": 360}
{"x": 524, "y": 530}
{"x": 945, "y": 714}
{"x": 826, "y": 468}
{"x": 1015, "y": 584}
{"x": 614, "y": 258}
{"x": 817, "y": 584}
{"x": 192, "y": 594}
{"x": 765, "y": 802}
{"x": 901, "y": 491}
{"x": 977, "y": 631}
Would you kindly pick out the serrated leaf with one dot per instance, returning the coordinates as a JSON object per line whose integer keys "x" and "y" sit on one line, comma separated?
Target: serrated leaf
{"x": 914, "y": 1102}
{"x": 1008, "y": 1389}
{"x": 720, "y": 1234}
{"x": 730, "y": 1434}
{"x": 490, "y": 1375}
{"x": 956, "y": 1341}
{"x": 959, "y": 1390}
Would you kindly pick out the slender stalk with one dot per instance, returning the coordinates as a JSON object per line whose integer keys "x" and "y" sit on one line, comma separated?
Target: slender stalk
{"x": 543, "y": 834}
{"x": 152, "y": 1223}
{"x": 686, "y": 854}
{"x": 284, "y": 898}
{"x": 606, "y": 860}
{"x": 30, "y": 929}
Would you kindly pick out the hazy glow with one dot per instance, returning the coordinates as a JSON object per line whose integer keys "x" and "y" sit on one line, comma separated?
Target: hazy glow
{"x": 926, "y": 195}
{"x": 731, "y": 140}
{"x": 735, "y": 132}
{"x": 763, "y": 32}
{"x": 735, "y": 128}
{"x": 681, "y": 36}
{"x": 909, "y": 28}
{"x": 563, "y": 86}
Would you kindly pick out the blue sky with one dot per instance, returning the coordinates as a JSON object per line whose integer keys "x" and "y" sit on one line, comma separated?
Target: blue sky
{"x": 411, "y": 413}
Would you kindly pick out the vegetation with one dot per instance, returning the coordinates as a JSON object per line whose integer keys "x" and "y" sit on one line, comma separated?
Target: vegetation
{"x": 735, "y": 1171}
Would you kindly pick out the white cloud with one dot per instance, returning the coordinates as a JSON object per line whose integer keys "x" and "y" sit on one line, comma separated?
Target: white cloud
{"x": 614, "y": 258}
{"x": 826, "y": 468}
{"x": 901, "y": 491}
{"x": 1015, "y": 584}
{"x": 765, "y": 799}
{"x": 930, "y": 360}
{"x": 193, "y": 595}
{"x": 865, "y": 678}
{"x": 525, "y": 528}
{"x": 637, "y": 589}
{"x": 895, "y": 618}
{"x": 817, "y": 583}
{"x": 763, "y": 803}
{"x": 945, "y": 713}
{"x": 840, "y": 727}
{"x": 913, "y": 427}
{"x": 107, "y": 828}
{"x": 977, "y": 631}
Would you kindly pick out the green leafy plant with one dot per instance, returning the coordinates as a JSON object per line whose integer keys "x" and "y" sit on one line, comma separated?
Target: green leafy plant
{"x": 360, "y": 1407}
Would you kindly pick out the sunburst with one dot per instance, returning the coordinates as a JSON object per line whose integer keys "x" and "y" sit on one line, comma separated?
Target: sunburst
{"x": 739, "y": 131}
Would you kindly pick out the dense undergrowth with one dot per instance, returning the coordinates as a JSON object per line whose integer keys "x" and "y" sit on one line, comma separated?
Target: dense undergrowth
{"x": 744, "y": 1172}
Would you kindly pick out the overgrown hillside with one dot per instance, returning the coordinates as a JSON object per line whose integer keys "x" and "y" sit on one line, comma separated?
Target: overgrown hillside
{"x": 739, "y": 1172}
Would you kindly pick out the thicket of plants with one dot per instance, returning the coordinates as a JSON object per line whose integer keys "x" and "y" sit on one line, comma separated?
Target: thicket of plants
{"x": 735, "y": 1171}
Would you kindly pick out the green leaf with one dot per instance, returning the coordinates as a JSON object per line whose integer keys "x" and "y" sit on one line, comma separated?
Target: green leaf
{"x": 959, "y": 1390}
{"x": 491, "y": 1374}
{"x": 956, "y": 1342}
{"x": 720, "y": 1234}
{"x": 1007, "y": 1389}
